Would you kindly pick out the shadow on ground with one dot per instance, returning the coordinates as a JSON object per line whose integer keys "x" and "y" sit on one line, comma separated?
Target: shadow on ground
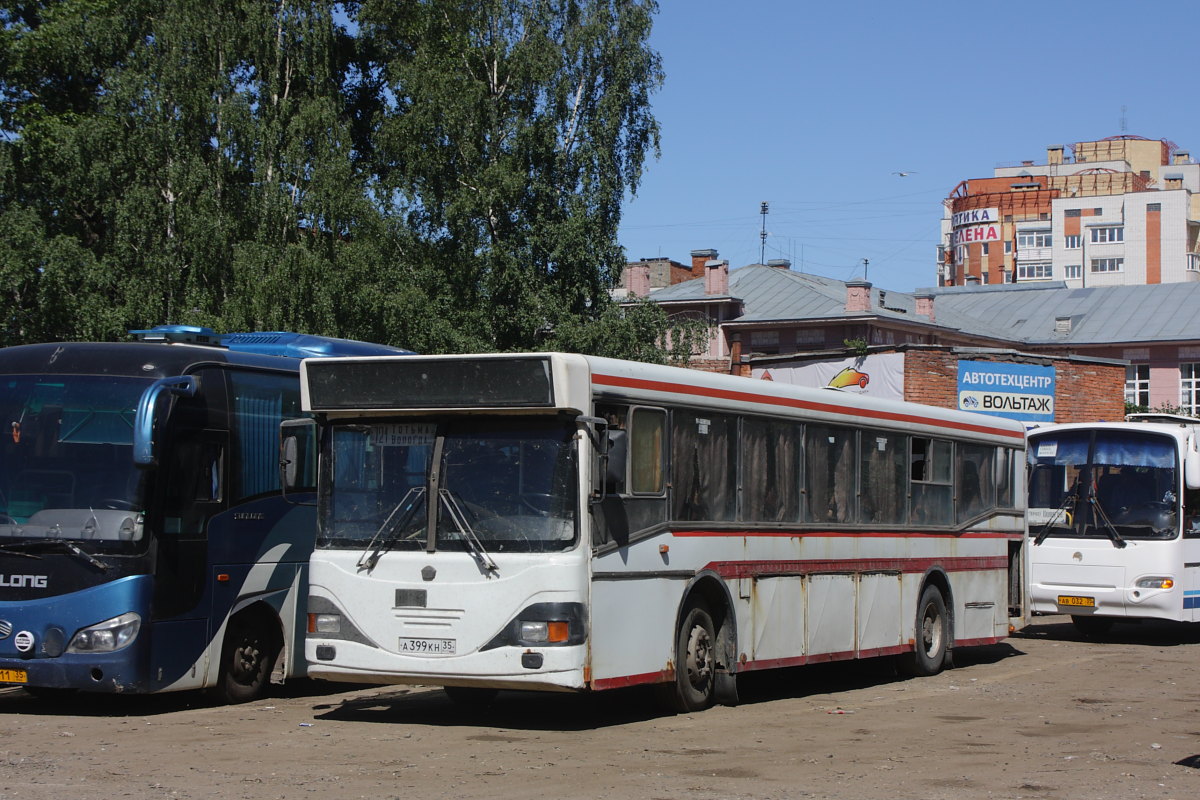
{"x": 534, "y": 711}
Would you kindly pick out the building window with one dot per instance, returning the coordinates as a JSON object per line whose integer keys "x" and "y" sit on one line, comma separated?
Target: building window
{"x": 1154, "y": 206}
{"x": 985, "y": 274}
{"x": 1189, "y": 388}
{"x": 764, "y": 341}
{"x": 1073, "y": 271}
{"x": 985, "y": 248}
{"x": 1073, "y": 242}
{"x": 1028, "y": 239}
{"x": 1008, "y": 247}
{"x": 1072, "y": 212}
{"x": 1193, "y": 262}
{"x": 1137, "y": 385}
{"x": 1034, "y": 271}
{"x": 1115, "y": 233}
{"x": 1097, "y": 212}
{"x": 1108, "y": 264}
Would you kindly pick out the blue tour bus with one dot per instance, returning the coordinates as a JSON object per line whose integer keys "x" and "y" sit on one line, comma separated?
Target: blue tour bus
{"x": 144, "y": 542}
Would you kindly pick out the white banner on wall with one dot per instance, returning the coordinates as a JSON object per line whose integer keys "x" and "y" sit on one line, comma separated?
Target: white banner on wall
{"x": 879, "y": 375}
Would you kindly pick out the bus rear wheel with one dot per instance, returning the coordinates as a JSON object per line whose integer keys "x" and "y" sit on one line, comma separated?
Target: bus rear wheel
{"x": 248, "y": 655}
{"x": 694, "y": 687}
{"x": 931, "y": 650}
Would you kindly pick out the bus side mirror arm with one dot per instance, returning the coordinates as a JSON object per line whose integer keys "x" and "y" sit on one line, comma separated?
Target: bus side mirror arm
{"x": 144, "y": 453}
{"x": 594, "y": 428}
{"x": 291, "y": 433}
{"x": 1191, "y": 469}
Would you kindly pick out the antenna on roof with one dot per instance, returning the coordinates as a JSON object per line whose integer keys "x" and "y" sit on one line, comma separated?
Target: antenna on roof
{"x": 762, "y": 250}
{"x": 1124, "y": 127}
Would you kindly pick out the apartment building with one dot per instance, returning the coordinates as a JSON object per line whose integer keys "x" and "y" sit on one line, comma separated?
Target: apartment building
{"x": 1112, "y": 212}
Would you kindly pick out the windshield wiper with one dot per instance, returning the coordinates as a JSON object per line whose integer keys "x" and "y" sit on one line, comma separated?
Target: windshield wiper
{"x": 375, "y": 547}
{"x": 455, "y": 512}
{"x": 1060, "y": 512}
{"x": 65, "y": 544}
{"x": 8, "y": 552}
{"x": 1110, "y": 529}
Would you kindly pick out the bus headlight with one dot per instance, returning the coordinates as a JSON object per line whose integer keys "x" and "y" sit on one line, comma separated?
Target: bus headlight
{"x": 107, "y": 636}
{"x": 325, "y": 623}
{"x": 541, "y": 632}
{"x": 1155, "y": 582}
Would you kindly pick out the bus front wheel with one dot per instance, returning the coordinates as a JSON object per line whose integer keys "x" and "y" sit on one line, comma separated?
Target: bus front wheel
{"x": 694, "y": 686}
{"x": 931, "y": 648}
{"x": 247, "y": 657}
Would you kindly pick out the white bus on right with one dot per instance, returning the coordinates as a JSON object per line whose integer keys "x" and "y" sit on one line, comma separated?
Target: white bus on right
{"x": 1114, "y": 520}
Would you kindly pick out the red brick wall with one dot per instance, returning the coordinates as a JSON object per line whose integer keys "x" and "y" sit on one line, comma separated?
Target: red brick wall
{"x": 1083, "y": 392}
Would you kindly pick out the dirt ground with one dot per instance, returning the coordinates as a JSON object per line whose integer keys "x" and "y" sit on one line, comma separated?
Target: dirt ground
{"x": 1044, "y": 715}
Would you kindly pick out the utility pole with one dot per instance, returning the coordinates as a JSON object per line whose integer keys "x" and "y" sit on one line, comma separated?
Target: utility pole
{"x": 762, "y": 250}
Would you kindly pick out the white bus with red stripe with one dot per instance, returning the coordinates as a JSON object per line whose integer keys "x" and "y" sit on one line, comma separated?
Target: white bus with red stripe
{"x": 565, "y": 522}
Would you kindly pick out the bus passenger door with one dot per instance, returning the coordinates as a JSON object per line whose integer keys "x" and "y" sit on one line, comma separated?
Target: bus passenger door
{"x": 1190, "y": 578}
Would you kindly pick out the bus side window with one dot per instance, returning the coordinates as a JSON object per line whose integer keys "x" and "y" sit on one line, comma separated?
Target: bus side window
{"x": 931, "y": 489}
{"x": 1191, "y": 512}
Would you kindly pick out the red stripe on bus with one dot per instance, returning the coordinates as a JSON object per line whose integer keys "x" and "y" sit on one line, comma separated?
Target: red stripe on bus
{"x": 626, "y": 681}
{"x": 751, "y": 569}
{"x": 856, "y": 534}
{"x": 777, "y": 663}
{"x": 791, "y": 402}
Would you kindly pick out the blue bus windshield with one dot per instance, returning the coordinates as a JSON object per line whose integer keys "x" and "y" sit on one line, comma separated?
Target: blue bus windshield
{"x": 66, "y": 467}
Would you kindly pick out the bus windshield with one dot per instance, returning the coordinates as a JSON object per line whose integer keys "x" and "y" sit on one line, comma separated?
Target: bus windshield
{"x": 504, "y": 484}
{"x": 1113, "y": 484}
{"x": 66, "y": 466}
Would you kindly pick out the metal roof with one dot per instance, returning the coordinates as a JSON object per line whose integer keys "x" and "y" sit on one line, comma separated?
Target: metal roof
{"x": 1018, "y": 313}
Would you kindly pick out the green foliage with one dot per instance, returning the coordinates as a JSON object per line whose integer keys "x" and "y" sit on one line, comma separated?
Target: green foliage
{"x": 860, "y": 347}
{"x": 443, "y": 174}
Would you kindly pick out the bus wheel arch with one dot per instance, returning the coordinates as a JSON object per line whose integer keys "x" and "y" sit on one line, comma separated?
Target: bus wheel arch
{"x": 252, "y": 644}
{"x": 704, "y": 648}
{"x": 933, "y": 631}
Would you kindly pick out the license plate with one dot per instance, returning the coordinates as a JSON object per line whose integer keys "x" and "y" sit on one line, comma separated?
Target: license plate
{"x": 430, "y": 647}
{"x": 1074, "y": 600}
{"x": 13, "y": 676}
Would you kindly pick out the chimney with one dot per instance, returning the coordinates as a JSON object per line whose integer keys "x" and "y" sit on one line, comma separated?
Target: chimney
{"x": 972, "y": 280}
{"x": 924, "y": 305}
{"x": 1182, "y": 157}
{"x": 1062, "y": 324}
{"x": 1054, "y": 154}
{"x": 638, "y": 278}
{"x": 716, "y": 277}
{"x": 699, "y": 259}
{"x": 779, "y": 263}
{"x": 1173, "y": 181}
{"x": 858, "y": 297}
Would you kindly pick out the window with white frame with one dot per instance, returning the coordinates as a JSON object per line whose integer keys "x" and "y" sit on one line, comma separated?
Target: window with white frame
{"x": 1028, "y": 239}
{"x": 1114, "y": 233}
{"x": 1073, "y": 242}
{"x": 1034, "y": 271}
{"x": 1108, "y": 264}
{"x": 1137, "y": 385}
{"x": 1193, "y": 262}
{"x": 1074, "y": 271}
{"x": 1189, "y": 388}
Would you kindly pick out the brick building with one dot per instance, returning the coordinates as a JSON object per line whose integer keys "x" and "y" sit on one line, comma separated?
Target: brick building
{"x": 1096, "y": 347}
{"x": 1116, "y": 211}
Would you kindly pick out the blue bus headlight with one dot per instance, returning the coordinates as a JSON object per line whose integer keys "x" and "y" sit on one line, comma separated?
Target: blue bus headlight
{"x": 107, "y": 636}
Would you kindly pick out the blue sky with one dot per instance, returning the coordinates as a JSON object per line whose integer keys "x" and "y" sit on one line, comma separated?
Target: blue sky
{"x": 813, "y": 106}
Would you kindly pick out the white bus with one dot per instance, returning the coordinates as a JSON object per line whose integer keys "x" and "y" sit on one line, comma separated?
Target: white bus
{"x": 1114, "y": 521}
{"x": 565, "y": 522}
